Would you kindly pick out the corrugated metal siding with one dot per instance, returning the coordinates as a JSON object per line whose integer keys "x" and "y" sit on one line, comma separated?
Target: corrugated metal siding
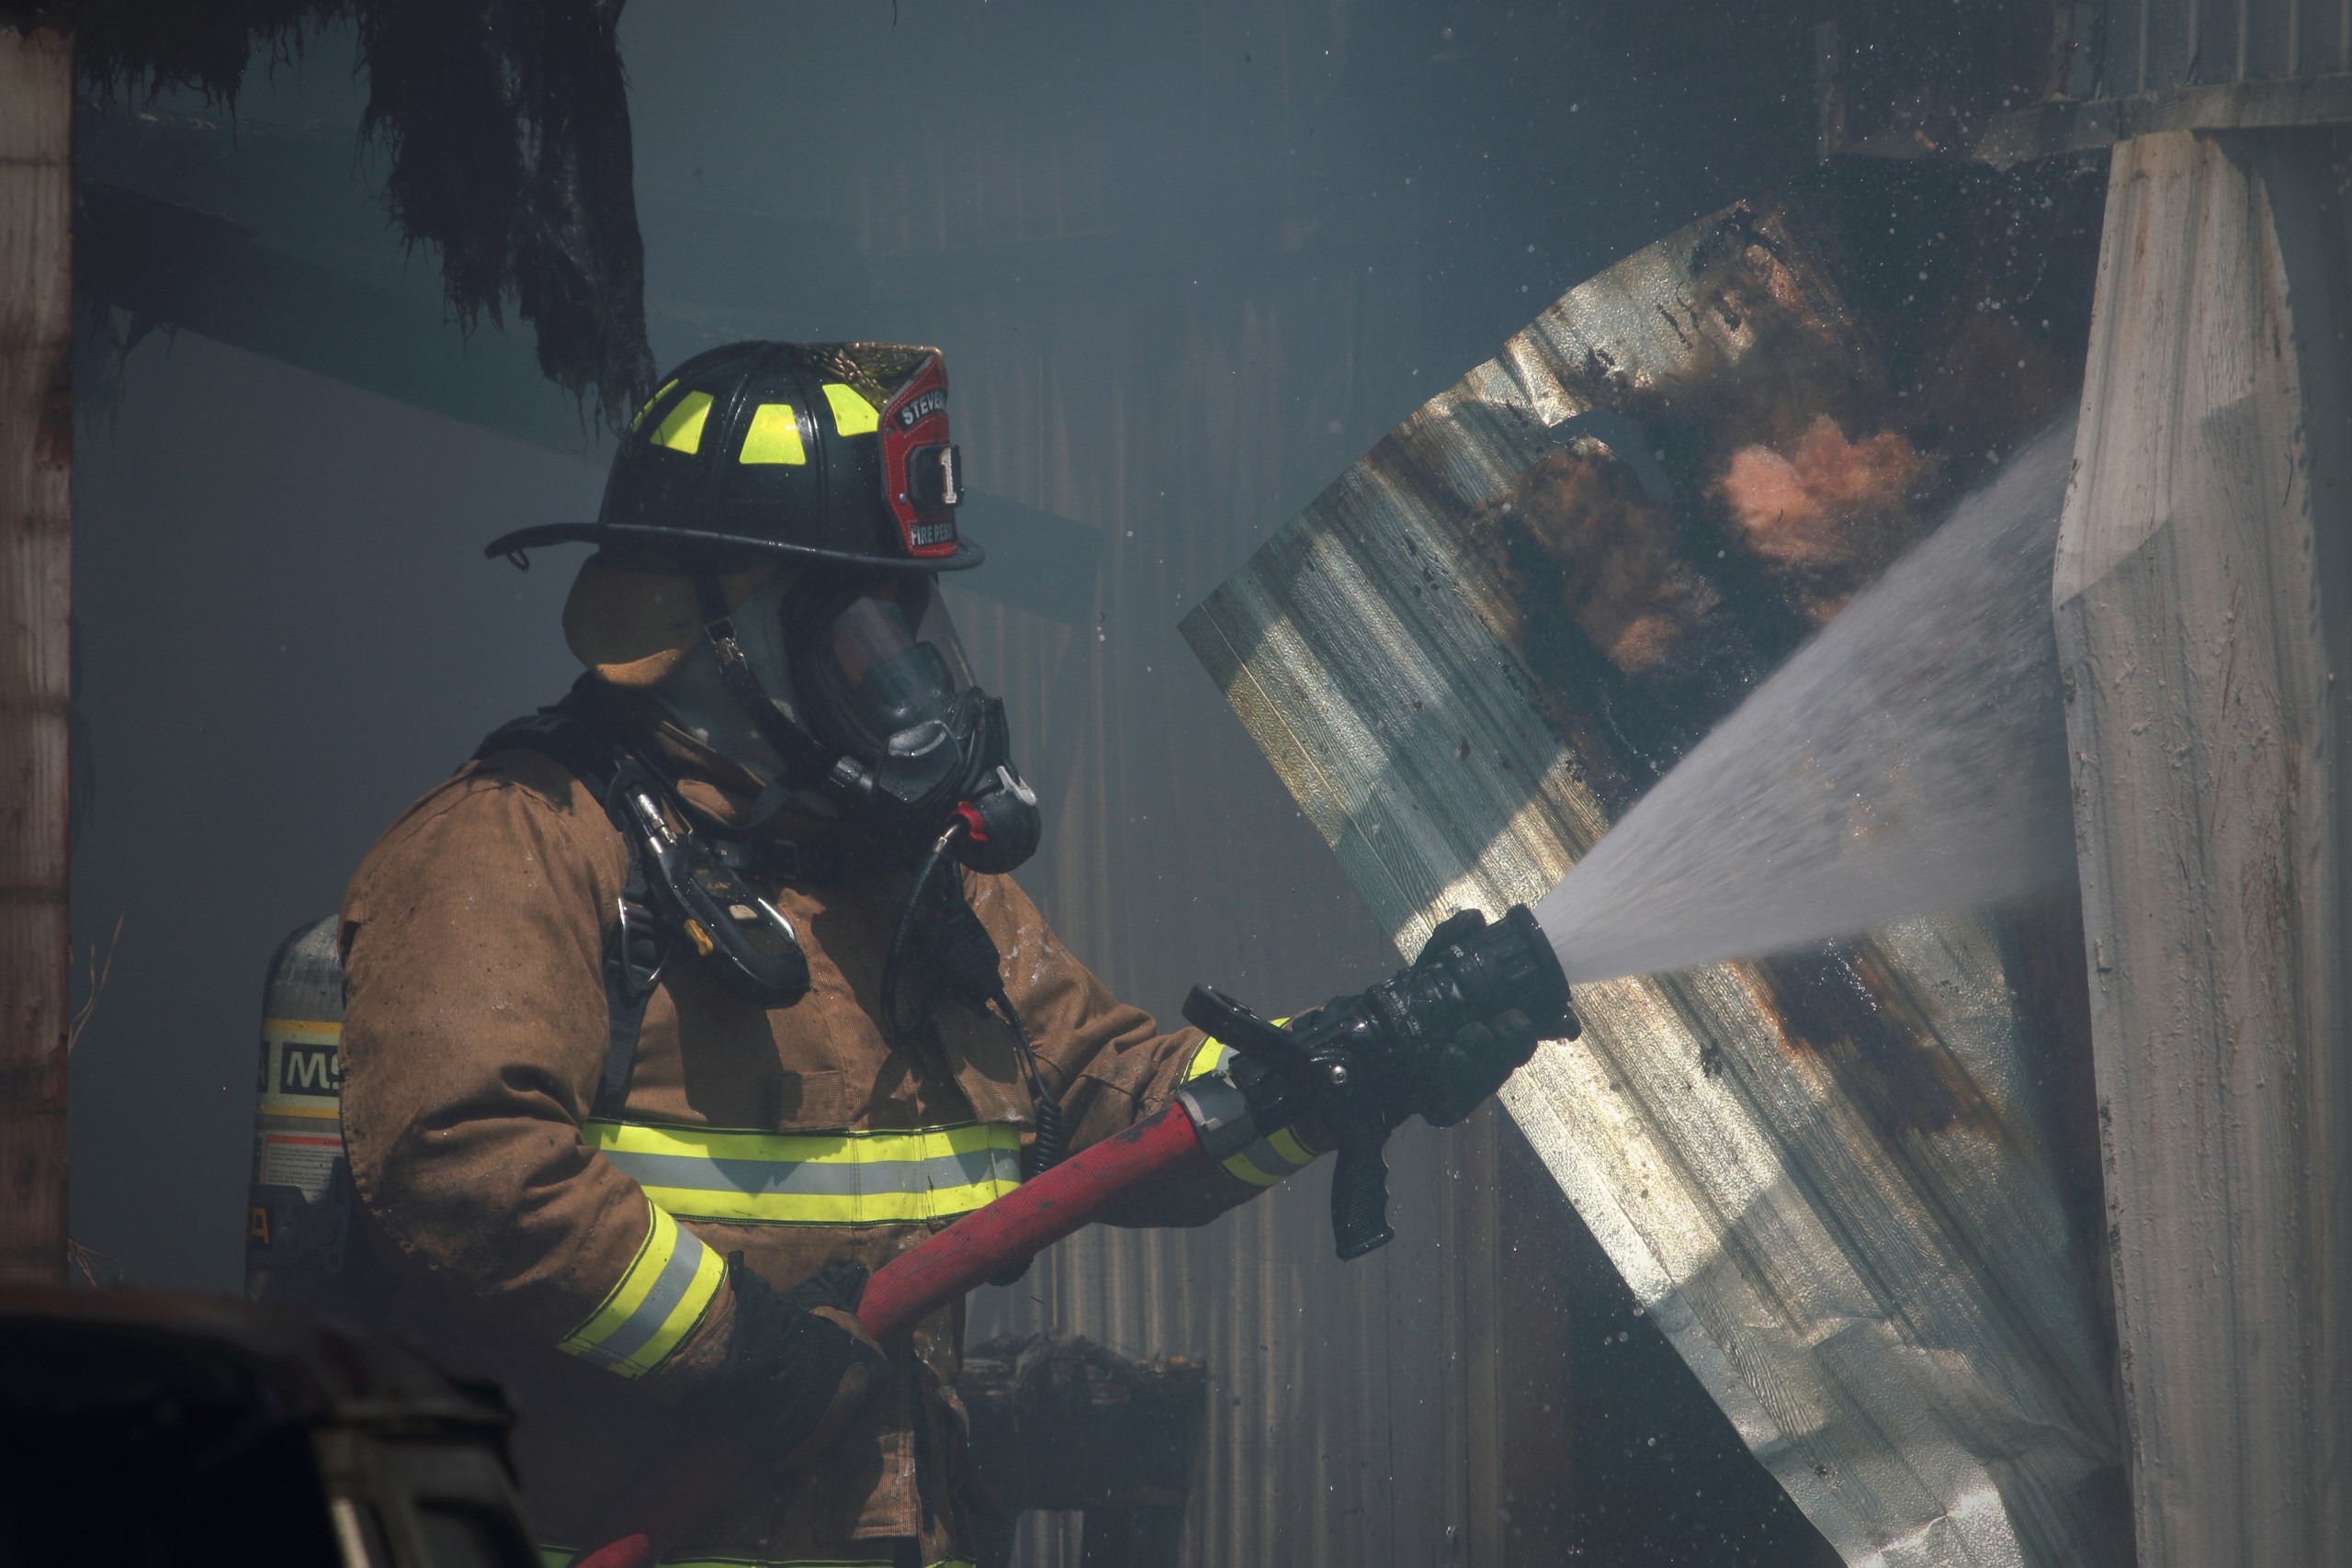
{"x": 1344, "y": 1427}
{"x": 1340, "y": 1420}
{"x": 2154, "y": 44}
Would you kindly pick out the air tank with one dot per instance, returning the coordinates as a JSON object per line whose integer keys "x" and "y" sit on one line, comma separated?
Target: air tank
{"x": 301, "y": 1246}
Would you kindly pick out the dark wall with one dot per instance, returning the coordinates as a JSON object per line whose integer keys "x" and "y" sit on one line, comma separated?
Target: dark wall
{"x": 287, "y": 632}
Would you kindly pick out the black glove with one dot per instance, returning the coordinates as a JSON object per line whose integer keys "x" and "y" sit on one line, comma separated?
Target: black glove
{"x": 1432, "y": 1040}
{"x": 1442, "y": 1080}
{"x": 1454, "y": 1080}
{"x": 798, "y": 1364}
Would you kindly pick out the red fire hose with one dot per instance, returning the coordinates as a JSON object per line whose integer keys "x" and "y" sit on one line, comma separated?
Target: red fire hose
{"x": 697, "y": 1478}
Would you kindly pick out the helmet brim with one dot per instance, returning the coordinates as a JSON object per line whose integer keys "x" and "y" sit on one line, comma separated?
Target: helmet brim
{"x": 674, "y": 541}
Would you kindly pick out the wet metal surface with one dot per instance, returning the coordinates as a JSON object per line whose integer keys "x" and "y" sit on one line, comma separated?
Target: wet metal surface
{"x": 1849, "y": 1185}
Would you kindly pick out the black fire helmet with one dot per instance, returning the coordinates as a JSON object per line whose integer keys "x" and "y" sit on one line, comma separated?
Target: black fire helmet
{"x": 831, "y": 453}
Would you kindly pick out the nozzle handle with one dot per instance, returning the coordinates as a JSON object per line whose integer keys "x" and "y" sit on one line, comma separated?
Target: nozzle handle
{"x": 1360, "y": 1188}
{"x": 1218, "y": 1016}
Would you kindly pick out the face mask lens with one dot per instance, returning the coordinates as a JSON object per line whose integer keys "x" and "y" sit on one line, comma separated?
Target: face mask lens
{"x": 897, "y": 657}
{"x": 933, "y": 626}
{"x": 867, "y": 635}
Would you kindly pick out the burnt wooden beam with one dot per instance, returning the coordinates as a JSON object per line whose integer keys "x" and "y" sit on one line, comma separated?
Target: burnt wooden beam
{"x": 1063, "y": 1424}
{"x": 2204, "y": 600}
{"x": 177, "y": 265}
{"x": 36, "y": 558}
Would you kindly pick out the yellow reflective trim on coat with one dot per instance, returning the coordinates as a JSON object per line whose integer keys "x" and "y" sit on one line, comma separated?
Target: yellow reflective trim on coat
{"x": 853, "y": 415}
{"x": 900, "y": 1176}
{"x": 1214, "y": 1053}
{"x": 1278, "y": 1154}
{"x": 681, "y": 428}
{"x": 660, "y": 1297}
{"x": 774, "y": 436}
{"x": 1240, "y": 1168}
{"x": 1285, "y": 1144}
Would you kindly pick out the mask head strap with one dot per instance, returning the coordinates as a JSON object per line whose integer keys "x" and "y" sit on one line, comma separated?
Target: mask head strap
{"x": 805, "y": 761}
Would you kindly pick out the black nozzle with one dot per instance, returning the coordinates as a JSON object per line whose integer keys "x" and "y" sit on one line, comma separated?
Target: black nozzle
{"x": 1471, "y": 971}
{"x": 1511, "y": 965}
{"x": 1361, "y": 1065}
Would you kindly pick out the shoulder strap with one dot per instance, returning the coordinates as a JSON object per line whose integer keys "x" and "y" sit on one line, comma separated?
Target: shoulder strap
{"x": 576, "y": 744}
{"x": 637, "y": 947}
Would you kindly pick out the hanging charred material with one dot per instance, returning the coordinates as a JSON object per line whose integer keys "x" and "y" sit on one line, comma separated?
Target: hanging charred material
{"x": 36, "y": 553}
{"x": 507, "y": 123}
{"x": 1061, "y": 1423}
{"x": 1852, "y": 1187}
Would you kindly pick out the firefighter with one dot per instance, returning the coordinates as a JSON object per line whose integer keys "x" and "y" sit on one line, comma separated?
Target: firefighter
{"x": 690, "y": 1001}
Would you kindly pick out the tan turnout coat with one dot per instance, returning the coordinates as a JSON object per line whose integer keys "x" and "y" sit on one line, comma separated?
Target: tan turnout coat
{"x": 474, "y": 1040}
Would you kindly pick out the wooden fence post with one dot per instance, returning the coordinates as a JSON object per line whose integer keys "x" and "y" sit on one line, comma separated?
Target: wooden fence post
{"x": 2204, "y": 603}
{"x": 36, "y": 544}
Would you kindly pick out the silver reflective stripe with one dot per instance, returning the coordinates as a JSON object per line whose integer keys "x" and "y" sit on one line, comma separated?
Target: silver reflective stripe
{"x": 670, "y": 1288}
{"x": 817, "y": 1178}
{"x": 866, "y": 1177}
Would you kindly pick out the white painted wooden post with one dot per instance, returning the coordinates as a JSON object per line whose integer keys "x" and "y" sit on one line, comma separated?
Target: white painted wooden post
{"x": 2204, "y": 609}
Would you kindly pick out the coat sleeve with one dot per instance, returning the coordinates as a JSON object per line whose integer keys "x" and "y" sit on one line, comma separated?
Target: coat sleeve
{"x": 1113, "y": 1066}
{"x": 474, "y": 1036}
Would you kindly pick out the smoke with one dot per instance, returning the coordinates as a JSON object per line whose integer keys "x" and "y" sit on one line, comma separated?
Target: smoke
{"x": 1825, "y": 514}
{"x": 1801, "y": 508}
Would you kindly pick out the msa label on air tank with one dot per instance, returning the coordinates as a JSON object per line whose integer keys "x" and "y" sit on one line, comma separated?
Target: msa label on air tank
{"x": 302, "y": 1062}
{"x": 309, "y": 1069}
{"x": 297, "y": 1134}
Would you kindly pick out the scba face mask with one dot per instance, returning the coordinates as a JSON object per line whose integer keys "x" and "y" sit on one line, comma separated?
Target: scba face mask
{"x": 881, "y": 680}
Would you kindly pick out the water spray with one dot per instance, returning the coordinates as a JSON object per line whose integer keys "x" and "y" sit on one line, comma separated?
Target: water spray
{"x": 1910, "y": 758}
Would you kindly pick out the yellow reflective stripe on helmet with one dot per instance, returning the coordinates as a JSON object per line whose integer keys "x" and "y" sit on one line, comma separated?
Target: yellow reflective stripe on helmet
{"x": 681, "y": 428}
{"x": 1272, "y": 1157}
{"x": 895, "y": 1177}
{"x": 660, "y": 1296}
{"x": 853, "y": 415}
{"x": 659, "y": 393}
{"x": 774, "y": 437}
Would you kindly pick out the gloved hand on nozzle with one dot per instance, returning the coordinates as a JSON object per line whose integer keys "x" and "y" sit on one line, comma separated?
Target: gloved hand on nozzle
{"x": 1446, "y": 1084}
{"x": 1431, "y": 1040}
{"x": 1423, "y": 1038}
